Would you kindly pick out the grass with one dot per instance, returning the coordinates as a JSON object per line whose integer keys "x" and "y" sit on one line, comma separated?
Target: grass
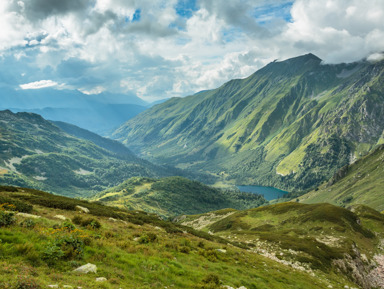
{"x": 45, "y": 251}
{"x": 359, "y": 183}
{"x": 314, "y": 235}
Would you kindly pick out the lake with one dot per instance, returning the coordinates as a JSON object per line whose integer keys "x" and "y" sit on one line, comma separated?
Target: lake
{"x": 270, "y": 193}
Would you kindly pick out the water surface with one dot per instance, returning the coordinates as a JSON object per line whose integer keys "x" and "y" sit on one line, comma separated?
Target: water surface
{"x": 269, "y": 193}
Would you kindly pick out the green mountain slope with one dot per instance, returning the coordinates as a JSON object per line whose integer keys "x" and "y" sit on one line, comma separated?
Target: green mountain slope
{"x": 132, "y": 249}
{"x": 174, "y": 196}
{"x": 319, "y": 237}
{"x": 36, "y": 153}
{"x": 291, "y": 125}
{"x": 359, "y": 183}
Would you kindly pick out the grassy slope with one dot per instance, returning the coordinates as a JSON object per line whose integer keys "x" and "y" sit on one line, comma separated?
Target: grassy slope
{"x": 36, "y": 153}
{"x": 133, "y": 250}
{"x": 359, "y": 183}
{"x": 313, "y": 235}
{"x": 291, "y": 124}
{"x": 175, "y": 196}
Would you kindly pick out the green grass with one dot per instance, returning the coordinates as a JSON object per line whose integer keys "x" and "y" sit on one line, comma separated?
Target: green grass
{"x": 359, "y": 183}
{"x": 131, "y": 255}
{"x": 314, "y": 235}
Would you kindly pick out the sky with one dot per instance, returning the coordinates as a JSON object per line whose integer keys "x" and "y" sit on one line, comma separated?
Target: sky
{"x": 157, "y": 49}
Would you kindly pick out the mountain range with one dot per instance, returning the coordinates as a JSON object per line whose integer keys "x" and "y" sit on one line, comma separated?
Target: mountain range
{"x": 36, "y": 153}
{"x": 291, "y": 124}
{"x": 101, "y": 113}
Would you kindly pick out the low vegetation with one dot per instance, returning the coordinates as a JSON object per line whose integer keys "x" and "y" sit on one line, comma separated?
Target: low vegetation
{"x": 174, "y": 196}
{"x": 131, "y": 249}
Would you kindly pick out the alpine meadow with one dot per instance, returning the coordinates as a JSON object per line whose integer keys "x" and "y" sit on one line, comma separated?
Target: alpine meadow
{"x": 192, "y": 144}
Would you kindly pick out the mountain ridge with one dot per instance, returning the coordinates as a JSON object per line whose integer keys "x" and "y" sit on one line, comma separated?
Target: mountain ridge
{"x": 291, "y": 124}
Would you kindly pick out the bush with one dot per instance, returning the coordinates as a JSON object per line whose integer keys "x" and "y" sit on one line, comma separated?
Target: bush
{"x": 18, "y": 205}
{"x": 28, "y": 223}
{"x": 7, "y": 218}
{"x": 148, "y": 238}
{"x": 90, "y": 222}
{"x": 26, "y": 282}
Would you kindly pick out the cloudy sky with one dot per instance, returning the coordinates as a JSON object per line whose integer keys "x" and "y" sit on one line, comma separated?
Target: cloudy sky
{"x": 163, "y": 48}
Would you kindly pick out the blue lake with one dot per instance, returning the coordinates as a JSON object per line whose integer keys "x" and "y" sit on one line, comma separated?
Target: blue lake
{"x": 270, "y": 193}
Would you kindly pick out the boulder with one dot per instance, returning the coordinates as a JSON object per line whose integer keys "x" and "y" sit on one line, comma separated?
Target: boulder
{"x": 25, "y": 215}
{"x": 86, "y": 268}
{"x": 101, "y": 279}
{"x": 60, "y": 217}
{"x": 82, "y": 209}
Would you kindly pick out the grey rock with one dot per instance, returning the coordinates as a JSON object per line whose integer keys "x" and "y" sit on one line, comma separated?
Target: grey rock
{"x": 86, "y": 268}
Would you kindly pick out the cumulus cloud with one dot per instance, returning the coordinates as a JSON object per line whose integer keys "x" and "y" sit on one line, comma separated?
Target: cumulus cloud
{"x": 166, "y": 48}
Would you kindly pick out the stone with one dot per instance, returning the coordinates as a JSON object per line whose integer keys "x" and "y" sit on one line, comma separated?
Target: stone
{"x": 60, "y": 217}
{"x": 28, "y": 215}
{"x": 53, "y": 286}
{"x": 242, "y": 287}
{"x": 82, "y": 209}
{"x": 101, "y": 279}
{"x": 86, "y": 268}
{"x": 68, "y": 286}
{"x": 221, "y": 250}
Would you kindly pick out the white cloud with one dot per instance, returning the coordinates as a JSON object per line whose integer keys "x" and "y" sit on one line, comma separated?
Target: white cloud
{"x": 38, "y": 84}
{"x": 93, "y": 44}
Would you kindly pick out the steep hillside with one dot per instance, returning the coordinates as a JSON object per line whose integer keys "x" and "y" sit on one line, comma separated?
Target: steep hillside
{"x": 291, "y": 125}
{"x": 174, "y": 196}
{"x": 44, "y": 238}
{"x": 318, "y": 237}
{"x": 36, "y": 153}
{"x": 359, "y": 183}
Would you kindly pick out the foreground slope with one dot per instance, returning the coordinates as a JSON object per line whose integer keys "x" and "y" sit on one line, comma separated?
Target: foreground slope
{"x": 36, "y": 153}
{"x": 174, "y": 196}
{"x": 359, "y": 183}
{"x": 316, "y": 237}
{"x": 291, "y": 125}
{"x": 131, "y": 249}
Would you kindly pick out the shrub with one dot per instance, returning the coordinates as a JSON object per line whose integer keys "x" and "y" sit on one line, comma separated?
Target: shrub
{"x": 148, "y": 238}
{"x": 211, "y": 281}
{"x": 52, "y": 253}
{"x": 28, "y": 223}
{"x": 26, "y": 282}
{"x": 18, "y": 205}
{"x": 6, "y": 218}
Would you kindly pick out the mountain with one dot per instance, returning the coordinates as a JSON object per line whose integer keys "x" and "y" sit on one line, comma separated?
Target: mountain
{"x": 359, "y": 183}
{"x": 319, "y": 237}
{"x": 101, "y": 113}
{"x": 174, "y": 196}
{"x": 36, "y": 153}
{"x": 97, "y": 117}
{"x": 44, "y": 238}
{"x": 291, "y": 124}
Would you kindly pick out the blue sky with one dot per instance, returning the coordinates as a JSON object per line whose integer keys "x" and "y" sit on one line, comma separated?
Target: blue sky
{"x": 157, "y": 49}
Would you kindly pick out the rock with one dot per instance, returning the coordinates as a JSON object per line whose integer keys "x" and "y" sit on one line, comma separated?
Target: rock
{"x": 68, "y": 286}
{"x": 82, "y": 209}
{"x": 28, "y": 215}
{"x": 53, "y": 286}
{"x": 86, "y": 268}
{"x": 113, "y": 219}
{"x": 330, "y": 286}
{"x": 60, "y": 217}
{"x": 221, "y": 250}
{"x": 101, "y": 279}
{"x": 242, "y": 287}
{"x": 346, "y": 287}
